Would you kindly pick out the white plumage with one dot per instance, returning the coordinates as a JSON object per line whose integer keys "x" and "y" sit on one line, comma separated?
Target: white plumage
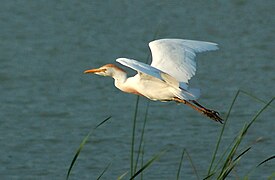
{"x": 166, "y": 79}
{"x": 176, "y": 57}
{"x": 175, "y": 60}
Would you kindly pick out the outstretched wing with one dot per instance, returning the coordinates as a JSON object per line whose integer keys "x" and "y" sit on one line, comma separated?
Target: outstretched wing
{"x": 148, "y": 70}
{"x": 140, "y": 67}
{"x": 176, "y": 57}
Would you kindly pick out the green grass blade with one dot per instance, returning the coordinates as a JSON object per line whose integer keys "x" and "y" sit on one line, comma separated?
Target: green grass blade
{"x": 228, "y": 114}
{"x": 122, "y": 176}
{"x": 133, "y": 167}
{"x": 180, "y": 164}
{"x": 77, "y": 154}
{"x": 102, "y": 173}
{"x": 133, "y": 136}
{"x": 221, "y": 133}
{"x": 240, "y": 155}
{"x": 209, "y": 176}
{"x": 254, "y": 97}
{"x": 266, "y": 160}
{"x": 148, "y": 163}
{"x": 142, "y": 160}
{"x": 156, "y": 34}
{"x": 192, "y": 164}
{"x": 231, "y": 166}
{"x": 254, "y": 118}
{"x": 142, "y": 134}
{"x": 81, "y": 147}
{"x": 224, "y": 154}
{"x": 101, "y": 123}
{"x": 231, "y": 154}
{"x": 260, "y": 112}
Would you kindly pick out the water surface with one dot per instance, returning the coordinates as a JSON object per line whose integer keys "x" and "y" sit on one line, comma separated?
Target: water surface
{"x": 48, "y": 105}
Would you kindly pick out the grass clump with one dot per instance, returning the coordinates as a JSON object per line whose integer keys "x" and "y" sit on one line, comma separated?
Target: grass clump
{"x": 218, "y": 169}
{"x": 230, "y": 162}
{"x": 83, "y": 142}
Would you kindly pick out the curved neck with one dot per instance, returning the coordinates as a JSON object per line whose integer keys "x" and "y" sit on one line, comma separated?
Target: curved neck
{"x": 120, "y": 78}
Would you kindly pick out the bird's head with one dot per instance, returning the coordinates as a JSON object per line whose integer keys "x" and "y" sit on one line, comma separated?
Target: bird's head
{"x": 106, "y": 70}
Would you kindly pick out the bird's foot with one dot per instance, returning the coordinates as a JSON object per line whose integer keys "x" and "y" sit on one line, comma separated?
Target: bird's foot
{"x": 213, "y": 115}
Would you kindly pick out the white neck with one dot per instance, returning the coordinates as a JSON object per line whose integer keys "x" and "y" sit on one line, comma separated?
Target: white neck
{"x": 120, "y": 78}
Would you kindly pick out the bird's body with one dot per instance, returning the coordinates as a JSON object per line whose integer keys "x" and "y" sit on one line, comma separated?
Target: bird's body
{"x": 147, "y": 86}
{"x": 166, "y": 79}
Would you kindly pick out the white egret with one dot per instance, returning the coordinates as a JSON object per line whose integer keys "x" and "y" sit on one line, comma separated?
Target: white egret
{"x": 166, "y": 79}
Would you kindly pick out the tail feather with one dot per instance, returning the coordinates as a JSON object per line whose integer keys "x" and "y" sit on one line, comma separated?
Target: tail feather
{"x": 196, "y": 92}
{"x": 189, "y": 94}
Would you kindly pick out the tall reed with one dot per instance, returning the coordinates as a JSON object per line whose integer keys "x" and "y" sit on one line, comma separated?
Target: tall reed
{"x": 218, "y": 169}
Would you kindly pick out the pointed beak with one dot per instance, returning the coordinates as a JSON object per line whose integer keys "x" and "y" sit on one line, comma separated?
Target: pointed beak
{"x": 94, "y": 70}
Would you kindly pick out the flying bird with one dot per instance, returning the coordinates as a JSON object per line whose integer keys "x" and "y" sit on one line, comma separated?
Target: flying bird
{"x": 166, "y": 79}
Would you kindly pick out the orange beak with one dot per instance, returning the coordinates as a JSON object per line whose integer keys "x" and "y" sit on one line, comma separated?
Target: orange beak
{"x": 94, "y": 70}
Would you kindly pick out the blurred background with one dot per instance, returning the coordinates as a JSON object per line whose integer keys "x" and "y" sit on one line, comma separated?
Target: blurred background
{"x": 48, "y": 105}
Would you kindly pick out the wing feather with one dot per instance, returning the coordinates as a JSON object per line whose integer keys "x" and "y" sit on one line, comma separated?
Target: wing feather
{"x": 176, "y": 57}
{"x": 140, "y": 67}
{"x": 148, "y": 70}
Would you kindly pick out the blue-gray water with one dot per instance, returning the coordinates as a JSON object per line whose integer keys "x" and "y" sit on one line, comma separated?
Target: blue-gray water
{"x": 48, "y": 105}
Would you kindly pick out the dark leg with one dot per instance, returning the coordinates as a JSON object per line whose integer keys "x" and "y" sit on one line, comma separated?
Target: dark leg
{"x": 214, "y": 114}
{"x": 195, "y": 102}
{"x": 198, "y": 107}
